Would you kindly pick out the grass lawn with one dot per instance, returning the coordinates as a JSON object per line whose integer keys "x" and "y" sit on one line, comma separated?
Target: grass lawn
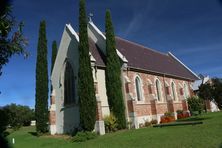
{"x": 206, "y": 135}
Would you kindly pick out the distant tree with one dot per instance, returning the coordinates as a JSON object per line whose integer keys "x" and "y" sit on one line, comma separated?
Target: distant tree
{"x": 113, "y": 75}
{"x": 41, "y": 95}
{"x": 3, "y": 142}
{"x": 54, "y": 54}
{"x": 12, "y": 40}
{"x": 3, "y": 120}
{"x": 18, "y": 115}
{"x": 217, "y": 91}
{"x": 86, "y": 91}
{"x": 195, "y": 104}
{"x": 212, "y": 91}
{"x": 205, "y": 91}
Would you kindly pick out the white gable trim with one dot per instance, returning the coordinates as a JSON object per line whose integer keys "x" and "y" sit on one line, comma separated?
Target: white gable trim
{"x": 72, "y": 31}
{"x": 97, "y": 30}
{"x": 62, "y": 50}
{"x": 173, "y": 56}
{"x": 93, "y": 26}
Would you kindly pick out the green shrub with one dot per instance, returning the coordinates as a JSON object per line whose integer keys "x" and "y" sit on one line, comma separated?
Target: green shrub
{"x": 18, "y": 115}
{"x": 3, "y": 121}
{"x": 147, "y": 124}
{"x": 153, "y": 122}
{"x": 168, "y": 114}
{"x": 110, "y": 123}
{"x": 195, "y": 104}
{"x": 84, "y": 136}
{"x": 179, "y": 111}
{"x": 130, "y": 125}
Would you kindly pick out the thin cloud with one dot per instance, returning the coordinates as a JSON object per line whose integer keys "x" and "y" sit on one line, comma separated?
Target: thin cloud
{"x": 198, "y": 50}
{"x": 134, "y": 24}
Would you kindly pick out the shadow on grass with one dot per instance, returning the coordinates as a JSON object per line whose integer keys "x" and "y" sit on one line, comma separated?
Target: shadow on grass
{"x": 34, "y": 134}
{"x": 4, "y": 143}
{"x": 6, "y": 133}
{"x": 197, "y": 118}
{"x": 220, "y": 146}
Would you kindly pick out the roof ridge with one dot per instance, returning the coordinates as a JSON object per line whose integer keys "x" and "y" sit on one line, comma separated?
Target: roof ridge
{"x": 137, "y": 44}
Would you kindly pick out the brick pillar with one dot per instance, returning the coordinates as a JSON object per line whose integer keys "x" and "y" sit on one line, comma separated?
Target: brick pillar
{"x": 99, "y": 125}
{"x": 98, "y": 111}
{"x": 52, "y": 114}
{"x": 170, "y": 106}
{"x": 153, "y": 107}
{"x": 185, "y": 105}
{"x": 154, "y": 110}
{"x": 133, "y": 114}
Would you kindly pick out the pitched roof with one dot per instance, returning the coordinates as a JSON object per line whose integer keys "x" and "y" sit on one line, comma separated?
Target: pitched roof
{"x": 140, "y": 57}
{"x": 96, "y": 53}
{"x": 151, "y": 60}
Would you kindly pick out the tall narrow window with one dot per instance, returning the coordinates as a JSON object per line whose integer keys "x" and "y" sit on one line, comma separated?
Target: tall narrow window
{"x": 158, "y": 90}
{"x": 173, "y": 91}
{"x": 186, "y": 92}
{"x": 138, "y": 89}
{"x": 69, "y": 85}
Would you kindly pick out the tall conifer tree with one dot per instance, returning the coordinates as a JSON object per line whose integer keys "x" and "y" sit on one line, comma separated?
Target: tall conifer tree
{"x": 41, "y": 95}
{"x": 53, "y": 58}
{"x": 86, "y": 91}
{"x": 54, "y": 54}
{"x": 113, "y": 75}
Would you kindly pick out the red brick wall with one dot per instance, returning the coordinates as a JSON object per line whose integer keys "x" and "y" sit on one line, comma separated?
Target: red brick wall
{"x": 52, "y": 100}
{"x": 98, "y": 111}
{"x": 52, "y": 118}
{"x": 148, "y": 106}
{"x": 162, "y": 108}
{"x": 52, "y": 114}
{"x": 143, "y": 109}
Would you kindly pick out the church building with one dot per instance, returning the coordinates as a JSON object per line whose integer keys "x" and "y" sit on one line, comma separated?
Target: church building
{"x": 152, "y": 82}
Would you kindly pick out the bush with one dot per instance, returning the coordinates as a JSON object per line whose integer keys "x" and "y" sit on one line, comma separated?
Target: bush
{"x": 84, "y": 136}
{"x": 153, "y": 122}
{"x": 168, "y": 117}
{"x": 18, "y": 115}
{"x": 182, "y": 115}
{"x": 110, "y": 123}
{"x": 147, "y": 124}
{"x": 168, "y": 114}
{"x": 3, "y": 121}
{"x": 179, "y": 111}
{"x": 195, "y": 104}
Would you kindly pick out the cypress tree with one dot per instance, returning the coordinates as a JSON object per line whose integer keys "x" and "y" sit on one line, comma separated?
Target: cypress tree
{"x": 54, "y": 54}
{"x": 86, "y": 91}
{"x": 113, "y": 75}
{"x": 41, "y": 95}
{"x": 53, "y": 58}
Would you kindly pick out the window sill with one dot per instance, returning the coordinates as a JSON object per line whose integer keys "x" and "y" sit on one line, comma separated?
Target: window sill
{"x": 140, "y": 102}
{"x": 176, "y": 101}
{"x": 69, "y": 105}
{"x": 161, "y": 102}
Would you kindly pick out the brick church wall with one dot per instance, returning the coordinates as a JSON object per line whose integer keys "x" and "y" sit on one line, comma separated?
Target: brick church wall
{"x": 149, "y": 105}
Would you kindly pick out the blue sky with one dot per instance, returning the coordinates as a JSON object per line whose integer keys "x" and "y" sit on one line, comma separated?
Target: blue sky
{"x": 192, "y": 30}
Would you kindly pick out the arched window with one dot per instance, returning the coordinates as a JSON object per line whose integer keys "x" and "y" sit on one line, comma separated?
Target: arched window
{"x": 173, "y": 91}
{"x": 158, "y": 90}
{"x": 186, "y": 92}
{"x": 138, "y": 89}
{"x": 69, "y": 85}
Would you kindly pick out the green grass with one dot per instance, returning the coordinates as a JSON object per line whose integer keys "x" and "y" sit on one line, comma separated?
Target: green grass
{"x": 206, "y": 135}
